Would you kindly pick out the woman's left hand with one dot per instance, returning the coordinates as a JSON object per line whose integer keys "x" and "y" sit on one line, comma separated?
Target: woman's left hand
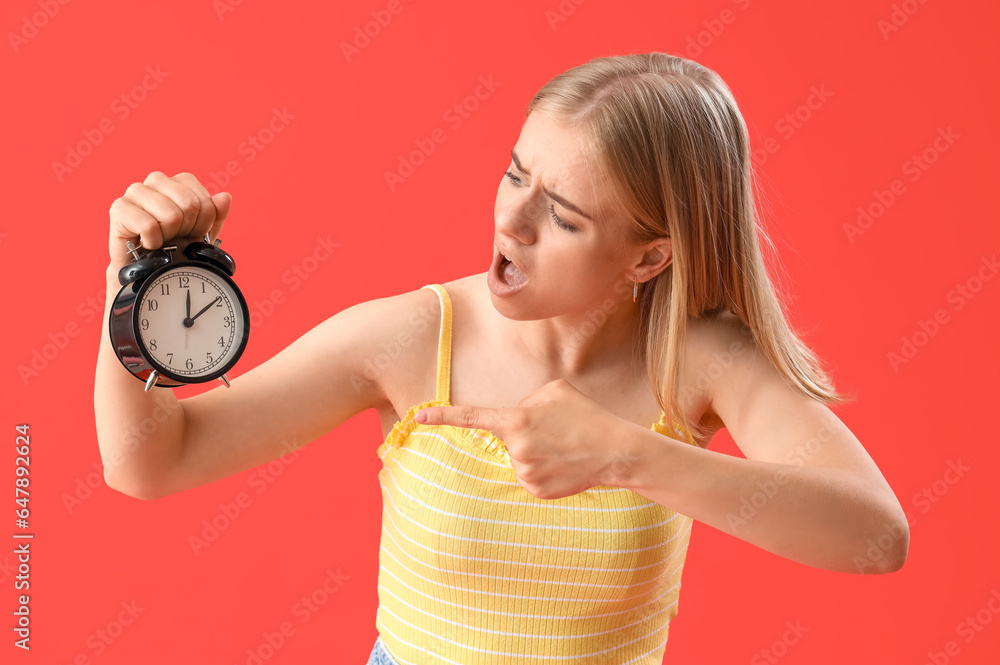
{"x": 560, "y": 441}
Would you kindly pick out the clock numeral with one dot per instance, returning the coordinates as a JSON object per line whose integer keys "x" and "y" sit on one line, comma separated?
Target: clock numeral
{"x": 208, "y": 357}
{"x": 153, "y": 305}
{"x": 189, "y": 363}
{"x": 164, "y": 289}
{"x": 170, "y": 359}
{"x": 222, "y": 342}
{"x": 183, "y": 280}
{"x": 218, "y": 303}
{"x": 226, "y": 322}
{"x": 145, "y": 324}
{"x": 152, "y": 344}
{"x": 203, "y": 287}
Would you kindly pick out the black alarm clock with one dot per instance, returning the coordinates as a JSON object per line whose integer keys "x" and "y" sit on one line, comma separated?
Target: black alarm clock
{"x": 176, "y": 322}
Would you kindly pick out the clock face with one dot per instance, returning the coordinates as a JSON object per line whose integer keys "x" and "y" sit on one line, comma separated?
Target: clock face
{"x": 191, "y": 322}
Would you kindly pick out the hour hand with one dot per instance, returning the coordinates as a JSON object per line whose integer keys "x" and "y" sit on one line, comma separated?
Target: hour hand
{"x": 205, "y": 308}
{"x": 188, "y": 305}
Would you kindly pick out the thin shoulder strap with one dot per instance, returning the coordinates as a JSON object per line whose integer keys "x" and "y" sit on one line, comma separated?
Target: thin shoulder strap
{"x": 444, "y": 345}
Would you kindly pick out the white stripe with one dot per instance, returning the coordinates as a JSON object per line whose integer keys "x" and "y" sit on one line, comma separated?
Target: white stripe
{"x": 520, "y": 563}
{"x": 531, "y": 616}
{"x": 482, "y": 520}
{"x": 493, "y": 440}
{"x": 676, "y": 585}
{"x": 472, "y": 434}
{"x": 414, "y": 451}
{"x": 660, "y": 647}
{"x": 431, "y": 458}
{"x": 414, "y": 559}
{"x": 529, "y": 635}
{"x": 419, "y": 648}
{"x": 435, "y": 435}
{"x": 541, "y": 503}
{"x": 531, "y": 545}
{"x": 522, "y": 655}
{"x": 500, "y": 577}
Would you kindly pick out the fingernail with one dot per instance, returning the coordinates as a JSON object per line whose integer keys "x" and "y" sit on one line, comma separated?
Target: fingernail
{"x": 421, "y": 417}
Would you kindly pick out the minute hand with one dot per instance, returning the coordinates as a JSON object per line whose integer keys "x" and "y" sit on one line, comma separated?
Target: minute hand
{"x": 205, "y": 308}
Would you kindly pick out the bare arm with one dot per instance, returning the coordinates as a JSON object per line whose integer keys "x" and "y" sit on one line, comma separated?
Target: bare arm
{"x": 308, "y": 389}
{"x": 153, "y": 444}
{"x": 139, "y": 433}
{"x": 807, "y": 490}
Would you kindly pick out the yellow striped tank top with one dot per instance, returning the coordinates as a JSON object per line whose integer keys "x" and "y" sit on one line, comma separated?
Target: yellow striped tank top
{"x": 474, "y": 570}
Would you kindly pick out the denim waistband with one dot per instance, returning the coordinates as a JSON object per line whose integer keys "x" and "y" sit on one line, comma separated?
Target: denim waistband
{"x": 380, "y": 655}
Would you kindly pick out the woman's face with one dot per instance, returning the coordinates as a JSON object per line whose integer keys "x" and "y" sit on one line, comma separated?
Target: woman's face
{"x": 552, "y": 221}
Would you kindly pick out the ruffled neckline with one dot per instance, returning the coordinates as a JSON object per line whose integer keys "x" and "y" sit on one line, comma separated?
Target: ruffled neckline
{"x": 483, "y": 439}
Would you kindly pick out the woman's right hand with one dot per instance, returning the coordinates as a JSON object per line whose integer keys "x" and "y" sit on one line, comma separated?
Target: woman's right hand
{"x": 161, "y": 210}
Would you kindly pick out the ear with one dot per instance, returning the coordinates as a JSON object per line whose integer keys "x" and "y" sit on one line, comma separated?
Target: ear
{"x": 658, "y": 255}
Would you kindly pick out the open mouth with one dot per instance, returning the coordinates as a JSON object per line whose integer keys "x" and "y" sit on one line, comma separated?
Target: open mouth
{"x": 509, "y": 273}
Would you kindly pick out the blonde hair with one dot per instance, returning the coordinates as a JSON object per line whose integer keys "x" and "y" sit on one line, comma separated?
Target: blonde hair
{"x": 667, "y": 134}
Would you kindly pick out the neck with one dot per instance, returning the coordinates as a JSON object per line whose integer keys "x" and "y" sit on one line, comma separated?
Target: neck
{"x": 601, "y": 336}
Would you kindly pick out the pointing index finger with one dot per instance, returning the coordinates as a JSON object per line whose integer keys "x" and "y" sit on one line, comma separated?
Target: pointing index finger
{"x": 472, "y": 417}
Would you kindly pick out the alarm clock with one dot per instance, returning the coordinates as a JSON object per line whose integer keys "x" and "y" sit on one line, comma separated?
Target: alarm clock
{"x": 176, "y": 322}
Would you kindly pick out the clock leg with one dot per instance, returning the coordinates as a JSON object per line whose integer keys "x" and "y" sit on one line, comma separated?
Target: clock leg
{"x": 151, "y": 381}
{"x": 225, "y": 380}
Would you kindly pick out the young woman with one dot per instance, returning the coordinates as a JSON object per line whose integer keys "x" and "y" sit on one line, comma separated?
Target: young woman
{"x": 546, "y": 431}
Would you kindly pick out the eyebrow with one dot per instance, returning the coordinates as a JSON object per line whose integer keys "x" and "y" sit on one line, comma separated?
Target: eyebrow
{"x": 552, "y": 195}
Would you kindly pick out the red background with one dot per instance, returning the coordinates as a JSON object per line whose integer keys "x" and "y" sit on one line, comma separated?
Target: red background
{"x": 323, "y": 175}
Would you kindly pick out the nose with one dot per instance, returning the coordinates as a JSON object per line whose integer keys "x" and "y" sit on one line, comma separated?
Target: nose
{"x": 518, "y": 216}
{"x": 510, "y": 222}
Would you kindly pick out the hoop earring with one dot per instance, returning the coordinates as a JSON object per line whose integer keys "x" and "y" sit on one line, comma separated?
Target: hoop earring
{"x": 635, "y": 288}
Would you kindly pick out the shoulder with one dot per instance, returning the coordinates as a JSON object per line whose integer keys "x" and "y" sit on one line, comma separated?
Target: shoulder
{"x": 470, "y": 298}
{"x": 403, "y": 331}
{"x": 716, "y": 344}
{"x": 708, "y": 332}
{"x": 392, "y": 337}
{"x": 396, "y": 317}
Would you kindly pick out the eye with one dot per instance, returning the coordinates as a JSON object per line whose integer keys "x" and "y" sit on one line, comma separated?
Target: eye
{"x": 513, "y": 178}
{"x": 559, "y": 221}
{"x": 552, "y": 210}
